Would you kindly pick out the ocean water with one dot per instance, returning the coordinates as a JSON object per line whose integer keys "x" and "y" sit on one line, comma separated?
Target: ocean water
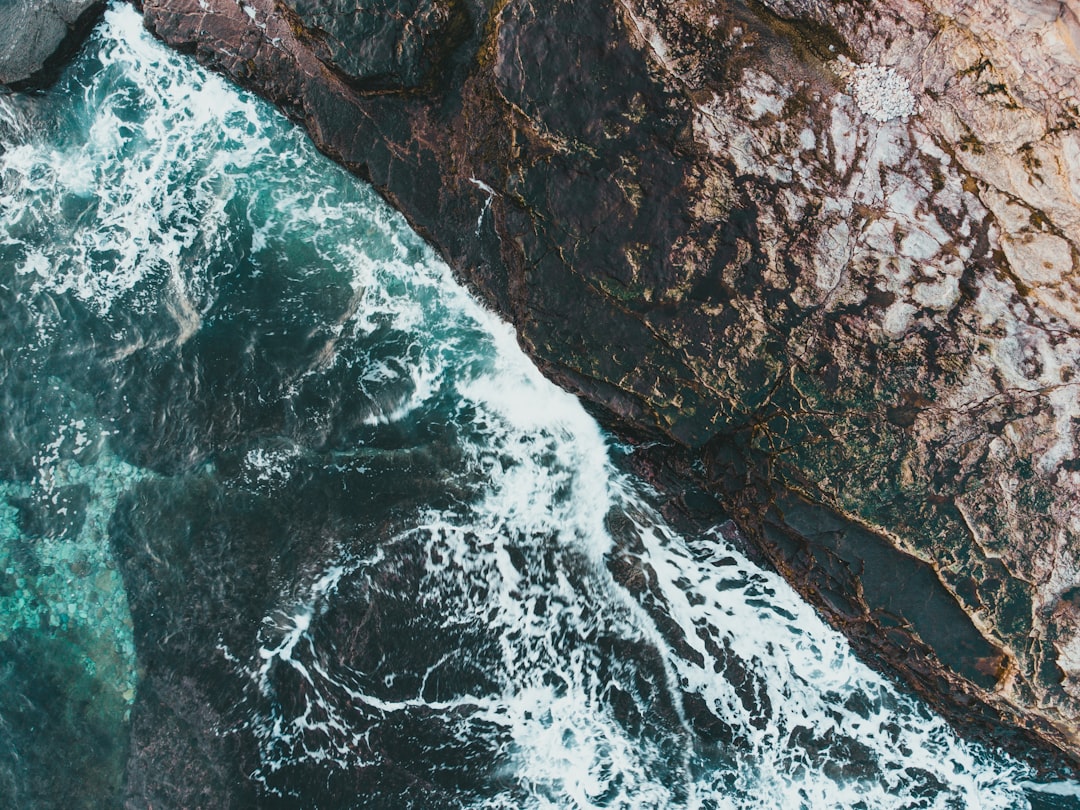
{"x": 288, "y": 520}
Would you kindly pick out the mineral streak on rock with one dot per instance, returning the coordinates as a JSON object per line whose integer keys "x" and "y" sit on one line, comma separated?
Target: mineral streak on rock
{"x": 860, "y": 332}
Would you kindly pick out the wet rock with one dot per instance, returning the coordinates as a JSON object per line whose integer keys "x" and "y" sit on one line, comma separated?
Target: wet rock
{"x": 379, "y": 43}
{"x": 37, "y": 36}
{"x": 858, "y": 332}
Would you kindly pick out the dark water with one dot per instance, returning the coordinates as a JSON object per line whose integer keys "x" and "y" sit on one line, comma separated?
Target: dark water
{"x": 287, "y": 520}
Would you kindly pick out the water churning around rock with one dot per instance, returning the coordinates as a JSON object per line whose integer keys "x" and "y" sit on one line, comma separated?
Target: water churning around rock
{"x": 289, "y": 520}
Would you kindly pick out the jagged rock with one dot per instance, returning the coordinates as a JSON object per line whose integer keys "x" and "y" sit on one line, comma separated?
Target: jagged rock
{"x": 862, "y": 335}
{"x": 999, "y": 99}
{"x": 37, "y": 35}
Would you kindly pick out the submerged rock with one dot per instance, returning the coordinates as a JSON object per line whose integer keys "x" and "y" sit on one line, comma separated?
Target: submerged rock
{"x": 36, "y": 36}
{"x": 861, "y": 332}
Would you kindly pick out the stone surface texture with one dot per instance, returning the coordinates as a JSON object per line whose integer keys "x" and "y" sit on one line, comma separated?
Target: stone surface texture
{"x": 379, "y": 43}
{"x": 861, "y": 337}
{"x": 35, "y": 34}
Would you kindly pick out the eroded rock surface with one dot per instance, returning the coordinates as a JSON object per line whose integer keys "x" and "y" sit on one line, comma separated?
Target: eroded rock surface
{"x": 977, "y": 244}
{"x": 861, "y": 332}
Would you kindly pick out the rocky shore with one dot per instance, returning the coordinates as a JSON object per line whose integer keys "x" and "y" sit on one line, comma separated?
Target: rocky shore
{"x": 851, "y": 314}
{"x": 822, "y": 255}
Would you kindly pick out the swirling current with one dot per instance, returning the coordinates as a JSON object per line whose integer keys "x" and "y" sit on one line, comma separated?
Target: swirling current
{"x": 288, "y": 520}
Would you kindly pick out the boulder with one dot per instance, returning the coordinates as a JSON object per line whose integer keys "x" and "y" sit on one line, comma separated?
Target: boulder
{"x": 36, "y": 37}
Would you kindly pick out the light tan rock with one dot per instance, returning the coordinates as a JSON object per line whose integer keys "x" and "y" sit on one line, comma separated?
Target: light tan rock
{"x": 959, "y": 227}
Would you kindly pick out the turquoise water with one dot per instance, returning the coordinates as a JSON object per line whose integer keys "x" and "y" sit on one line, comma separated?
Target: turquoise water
{"x": 287, "y": 519}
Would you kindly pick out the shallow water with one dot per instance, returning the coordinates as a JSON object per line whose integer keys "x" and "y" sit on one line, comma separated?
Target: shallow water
{"x": 272, "y": 481}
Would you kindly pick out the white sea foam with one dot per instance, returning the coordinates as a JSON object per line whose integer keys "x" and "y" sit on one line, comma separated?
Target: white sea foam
{"x": 525, "y": 565}
{"x": 269, "y": 467}
{"x": 154, "y": 187}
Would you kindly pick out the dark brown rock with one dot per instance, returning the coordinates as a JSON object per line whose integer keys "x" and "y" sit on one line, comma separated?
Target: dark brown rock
{"x": 379, "y": 44}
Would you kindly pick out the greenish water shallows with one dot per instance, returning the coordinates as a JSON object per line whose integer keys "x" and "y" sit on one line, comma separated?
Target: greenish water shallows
{"x": 287, "y": 520}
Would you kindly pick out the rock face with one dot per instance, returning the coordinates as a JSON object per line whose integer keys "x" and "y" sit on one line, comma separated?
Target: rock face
{"x": 37, "y": 35}
{"x": 380, "y": 44}
{"x": 858, "y": 328}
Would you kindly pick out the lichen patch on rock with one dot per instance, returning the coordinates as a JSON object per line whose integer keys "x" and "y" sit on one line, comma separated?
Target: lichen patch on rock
{"x": 880, "y": 92}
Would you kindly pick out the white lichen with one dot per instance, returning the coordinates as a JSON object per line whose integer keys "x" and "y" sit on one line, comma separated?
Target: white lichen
{"x": 880, "y": 92}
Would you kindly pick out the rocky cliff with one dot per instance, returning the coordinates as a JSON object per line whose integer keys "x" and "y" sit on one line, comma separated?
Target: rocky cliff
{"x": 825, "y": 252}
